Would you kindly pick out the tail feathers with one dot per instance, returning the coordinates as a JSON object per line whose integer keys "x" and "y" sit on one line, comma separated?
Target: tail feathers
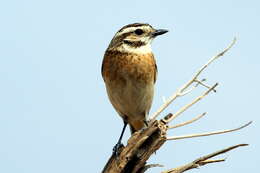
{"x": 137, "y": 125}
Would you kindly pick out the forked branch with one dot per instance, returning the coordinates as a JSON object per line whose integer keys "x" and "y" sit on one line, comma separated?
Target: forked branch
{"x": 182, "y": 90}
{"x": 184, "y": 108}
{"x": 203, "y": 160}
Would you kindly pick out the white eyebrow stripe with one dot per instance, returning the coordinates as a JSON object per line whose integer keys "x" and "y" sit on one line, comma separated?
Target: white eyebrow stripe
{"x": 131, "y": 29}
{"x": 126, "y": 30}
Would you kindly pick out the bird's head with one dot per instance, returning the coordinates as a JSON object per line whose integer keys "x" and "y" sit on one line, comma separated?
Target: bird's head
{"x": 135, "y": 38}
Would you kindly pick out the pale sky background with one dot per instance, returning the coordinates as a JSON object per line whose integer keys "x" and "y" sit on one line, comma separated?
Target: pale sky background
{"x": 55, "y": 116}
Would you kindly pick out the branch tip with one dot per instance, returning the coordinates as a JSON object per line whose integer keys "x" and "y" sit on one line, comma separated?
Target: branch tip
{"x": 201, "y": 161}
{"x": 208, "y": 133}
{"x": 188, "y": 122}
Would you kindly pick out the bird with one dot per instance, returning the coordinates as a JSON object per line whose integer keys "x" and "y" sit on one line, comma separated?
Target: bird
{"x": 129, "y": 72}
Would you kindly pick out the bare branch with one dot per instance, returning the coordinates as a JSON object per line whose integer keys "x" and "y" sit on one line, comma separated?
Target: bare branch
{"x": 211, "y": 161}
{"x": 182, "y": 89}
{"x": 187, "y": 91}
{"x": 212, "y": 59}
{"x": 188, "y": 122}
{"x": 208, "y": 133}
{"x": 203, "y": 160}
{"x": 146, "y": 167}
{"x": 200, "y": 82}
{"x": 184, "y": 108}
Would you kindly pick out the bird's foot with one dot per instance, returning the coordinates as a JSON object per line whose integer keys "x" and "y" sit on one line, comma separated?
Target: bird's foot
{"x": 116, "y": 149}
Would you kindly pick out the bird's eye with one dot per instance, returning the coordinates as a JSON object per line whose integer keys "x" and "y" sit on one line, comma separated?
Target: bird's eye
{"x": 139, "y": 31}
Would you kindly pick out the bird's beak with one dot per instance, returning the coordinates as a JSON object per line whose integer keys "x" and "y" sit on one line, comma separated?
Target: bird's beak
{"x": 159, "y": 32}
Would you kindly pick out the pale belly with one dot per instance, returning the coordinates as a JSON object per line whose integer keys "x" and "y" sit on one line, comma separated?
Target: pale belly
{"x": 132, "y": 100}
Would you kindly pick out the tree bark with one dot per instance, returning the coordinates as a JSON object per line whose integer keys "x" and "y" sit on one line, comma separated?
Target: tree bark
{"x": 142, "y": 144}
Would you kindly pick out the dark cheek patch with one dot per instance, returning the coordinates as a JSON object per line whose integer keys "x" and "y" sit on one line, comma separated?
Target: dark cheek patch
{"x": 134, "y": 44}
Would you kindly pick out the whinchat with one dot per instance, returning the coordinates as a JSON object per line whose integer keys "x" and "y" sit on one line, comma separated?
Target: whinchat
{"x": 129, "y": 71}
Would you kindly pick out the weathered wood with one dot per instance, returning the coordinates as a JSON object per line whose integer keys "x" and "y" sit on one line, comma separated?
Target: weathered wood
{"x": 142, "y": 144}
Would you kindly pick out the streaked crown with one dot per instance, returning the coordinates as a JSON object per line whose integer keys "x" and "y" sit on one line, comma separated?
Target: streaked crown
{"x": 135, "y": 38}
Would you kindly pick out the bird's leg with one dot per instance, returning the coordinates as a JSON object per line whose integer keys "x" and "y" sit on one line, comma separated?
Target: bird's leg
{"x": 146, "y": 123}
{"x": 119, "y": 143}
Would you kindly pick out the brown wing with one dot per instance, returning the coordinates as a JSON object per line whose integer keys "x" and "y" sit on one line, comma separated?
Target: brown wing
{"x": 104, "y": 62}
{"x": 155, "y": 69}
{"x": 102, "y": 69}
{"x": 155, "y": 72}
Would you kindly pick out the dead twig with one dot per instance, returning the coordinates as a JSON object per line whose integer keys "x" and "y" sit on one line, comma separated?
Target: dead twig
{"x": 184, "y": 108}
{"x": 203, "y": 160}
{"x": 181, "y": 91}
{"x": 208, "y": 133}
{"x": 188, "y": 122}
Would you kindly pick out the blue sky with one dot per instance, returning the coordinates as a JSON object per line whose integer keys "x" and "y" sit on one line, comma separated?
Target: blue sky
{"x": 54, "y": 112}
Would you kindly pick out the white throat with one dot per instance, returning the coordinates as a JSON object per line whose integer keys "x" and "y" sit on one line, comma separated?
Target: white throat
{"x": 142, "y": 49}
